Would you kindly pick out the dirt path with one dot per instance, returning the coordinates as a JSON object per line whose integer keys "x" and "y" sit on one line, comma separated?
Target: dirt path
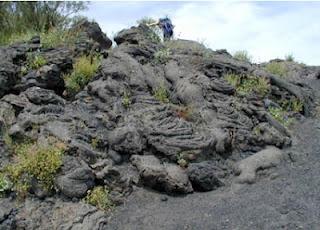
{"x": 286, "y": 197}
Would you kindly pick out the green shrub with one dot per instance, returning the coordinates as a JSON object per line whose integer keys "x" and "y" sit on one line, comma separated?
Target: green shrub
{"x": 162, "y": 56}
{"x": 35, "y": 61}
{"x": 161, "y": 94}
{"x": 242, "y": 55}
{"x": 277, "y": 68}
{"x": 281, "y": 116}
{"x": 99, "y": 197}
{"x": 34, "y": 161}
{"x": 245, "y": 85}
{"x": 84, "y": 70}
{"x": 289, "y": 58}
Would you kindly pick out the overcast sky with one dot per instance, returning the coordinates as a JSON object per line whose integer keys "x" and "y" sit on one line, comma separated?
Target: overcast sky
{"x": 266, "y": 30}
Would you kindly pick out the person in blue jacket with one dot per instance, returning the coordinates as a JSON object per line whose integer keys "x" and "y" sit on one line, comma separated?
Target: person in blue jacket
{"x": 166, "y": 26}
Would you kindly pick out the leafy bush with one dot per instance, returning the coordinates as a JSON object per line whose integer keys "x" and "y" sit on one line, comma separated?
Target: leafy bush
{"x": 245, "y": 85}
{"x": 277, "y": 68}
{"x": 84, "y": 70}
{"x": 161, "y": 94}
{"x": 34, "y": 161}
{"x": 162, "y": 56}
{"x": 99, "y": 197}
{"x": 242, "y": 55}
{"x": 35, "y": 61}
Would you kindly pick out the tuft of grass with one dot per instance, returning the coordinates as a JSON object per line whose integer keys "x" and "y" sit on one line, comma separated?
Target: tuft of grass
{"x": 84, "y": 70}
{"x": 161, "y": 94}
{"x": 99, "y": 197}
{"x": 245, "y": 85}
{"x": 162, "y": 56}
{"x": 9, "y": 39}
{"x": 289, "y": 58}
{"x": 281, "y": 116}
{"x": 277, "y": 68}
{"x": 293, "y": 104}
{"x": 34, "y": 162}
{"x": 126, "y": 99}
{"x": 49, "y": 39}
{"x": 242, "y": 55}
{"x": 57, "y": 37}
{"x": 35, "y": 61}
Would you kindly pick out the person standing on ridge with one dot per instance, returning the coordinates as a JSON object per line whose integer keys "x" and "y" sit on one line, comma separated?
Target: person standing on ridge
{"x": 166, "y": 25}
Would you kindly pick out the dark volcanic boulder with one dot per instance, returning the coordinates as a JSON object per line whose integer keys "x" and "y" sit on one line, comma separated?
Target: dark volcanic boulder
{"x": 163, "y": 177}
{"x": 134, "y": 35}
{"x": 8, "y": 76}
{"x": 203, "y": 176}
{"x": 47, "y": 77}
{"x": 76, "y": 180}
{"x": 93, "y": 31}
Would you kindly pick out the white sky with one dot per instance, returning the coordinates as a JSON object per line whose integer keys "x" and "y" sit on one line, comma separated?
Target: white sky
{"x": 266, "y": 30}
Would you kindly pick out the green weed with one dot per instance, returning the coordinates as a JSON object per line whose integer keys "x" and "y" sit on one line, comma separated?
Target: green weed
{"x": 34, "y": 161}
{"x": 277, "y": 68}
{"x": 5, "y": 184}
{"x": 126, "y": 99}
{"x": 281, "y": 116}
{"x": 289, "y": 58}
{"x": 245, "y": 85}
{"x": 35, "y": 61}
{"x": 161, "y": 94}
{"x": 84, "y": 70}
{"x": 99, "y": 197}
{"x": 162, "y": 56}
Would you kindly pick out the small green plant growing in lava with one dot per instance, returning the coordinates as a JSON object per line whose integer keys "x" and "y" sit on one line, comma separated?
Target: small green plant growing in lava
{"x": 277, "y": 68}
{"x": 34, "y": 162}
{"x": 242, "y": 55}
{"x": 99, "y": 197}
{"x": 161, "y": 94}
{"x": 35, "y": 61}
{"x": 245, "y": 85}
{"x": 162, "y": 56}
{"x": 84, "y": 70}
{"x": 126, "y": 99}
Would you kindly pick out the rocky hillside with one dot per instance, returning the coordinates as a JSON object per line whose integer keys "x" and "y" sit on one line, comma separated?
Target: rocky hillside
{"x": 173, "y": 117}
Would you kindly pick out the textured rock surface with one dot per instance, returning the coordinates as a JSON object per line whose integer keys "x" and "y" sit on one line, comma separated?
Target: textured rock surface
{"x": 247, "y": 168}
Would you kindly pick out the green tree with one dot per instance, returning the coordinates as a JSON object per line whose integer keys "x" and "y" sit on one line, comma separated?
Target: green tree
{"x": 41, "y": 16}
